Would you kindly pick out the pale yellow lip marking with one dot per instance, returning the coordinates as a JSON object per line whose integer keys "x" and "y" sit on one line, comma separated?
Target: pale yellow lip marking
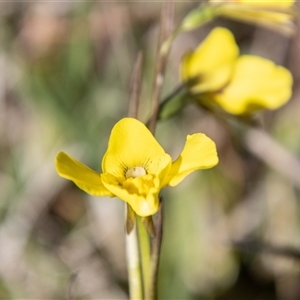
{"x": 135, "y": 172}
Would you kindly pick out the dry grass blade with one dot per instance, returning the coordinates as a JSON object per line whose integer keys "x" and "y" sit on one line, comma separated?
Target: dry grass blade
{"x": 253, "y": 246}
{"x": 273, "y": 154}
{"x": 71, "y": 285}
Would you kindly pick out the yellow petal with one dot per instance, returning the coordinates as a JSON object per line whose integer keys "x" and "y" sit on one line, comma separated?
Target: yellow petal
{"x": 276, "y": 15}
{"x": 211, "y": 62}
{"x": 84, "y": 177}
{"x": 199, "y": 152}
{"x": 131, "y": 145}
{"x": 268, "y": 3}
{"x": 256, "y": 83}
{"x": 141, "y": 193}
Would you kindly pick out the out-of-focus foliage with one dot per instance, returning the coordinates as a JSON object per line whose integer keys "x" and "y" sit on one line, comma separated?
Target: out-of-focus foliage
{"x": 65, "y": 70}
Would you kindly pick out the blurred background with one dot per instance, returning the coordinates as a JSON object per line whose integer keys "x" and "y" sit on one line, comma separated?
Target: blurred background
{"x": 231, "y": 233}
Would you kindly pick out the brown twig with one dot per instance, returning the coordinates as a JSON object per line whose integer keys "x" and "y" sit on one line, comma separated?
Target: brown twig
{"x": 133, "y": 250}
{"x": 71, "y": 285}
{"x": 133, "y": 107}
{"x": 161, "y": 61}
{"x": 156, "y": 247}
{"x": 135, "y": 86}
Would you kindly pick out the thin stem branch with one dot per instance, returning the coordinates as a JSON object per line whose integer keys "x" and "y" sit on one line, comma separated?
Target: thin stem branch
{"x": 166, "y": 100}
{"x": 71, "y": 285}
{"x": 135, "y": 86}
{"x": 151, "y": 293}
{"x": 161, "y": 61}
{"x": 169, "y": 97}
{"x": 145, "y": 253}
{"x": 132, "y": 243}
{"x": 134, "y": 266}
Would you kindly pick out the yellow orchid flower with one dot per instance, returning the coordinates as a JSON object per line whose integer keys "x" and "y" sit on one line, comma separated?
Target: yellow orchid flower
{"x": 272, "y": 14}
{"x": 135, "y": 167}
{"x": 238, "y": 84}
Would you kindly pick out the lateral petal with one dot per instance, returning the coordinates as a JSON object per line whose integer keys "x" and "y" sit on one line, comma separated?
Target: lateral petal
{"x": 199, "y": 152}
{"x": 256, "y": 83}
{"x": 84, "y": 177}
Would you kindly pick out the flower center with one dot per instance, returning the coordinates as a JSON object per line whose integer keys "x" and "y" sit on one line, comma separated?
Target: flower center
{"x": 135, "y": 172}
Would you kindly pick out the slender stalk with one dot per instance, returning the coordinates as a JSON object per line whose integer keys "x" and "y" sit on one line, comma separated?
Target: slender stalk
{"x": 151, "y": 293}
{"x": 145, "y": 253}
{"x": 169, "y": 97}
{"x": 165, "y": 101}
{"x": 161, "y": 61}
{"x": 135, "y": 86}
{"x": 71, "y": 285}
{"x": 132, "y": 242}
{"x": 134, "y": 266}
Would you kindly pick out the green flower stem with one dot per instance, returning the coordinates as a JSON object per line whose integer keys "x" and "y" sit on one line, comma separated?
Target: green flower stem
{"x": 152, "y": 292}
{"x": 145, "y": 254}
{"x": 196, "y": 18}
{"x": 134, "y": 266}
{"x": 142, "y": 268}
{"x": 132, "y": 243}
{"x": 172, "y": 103}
